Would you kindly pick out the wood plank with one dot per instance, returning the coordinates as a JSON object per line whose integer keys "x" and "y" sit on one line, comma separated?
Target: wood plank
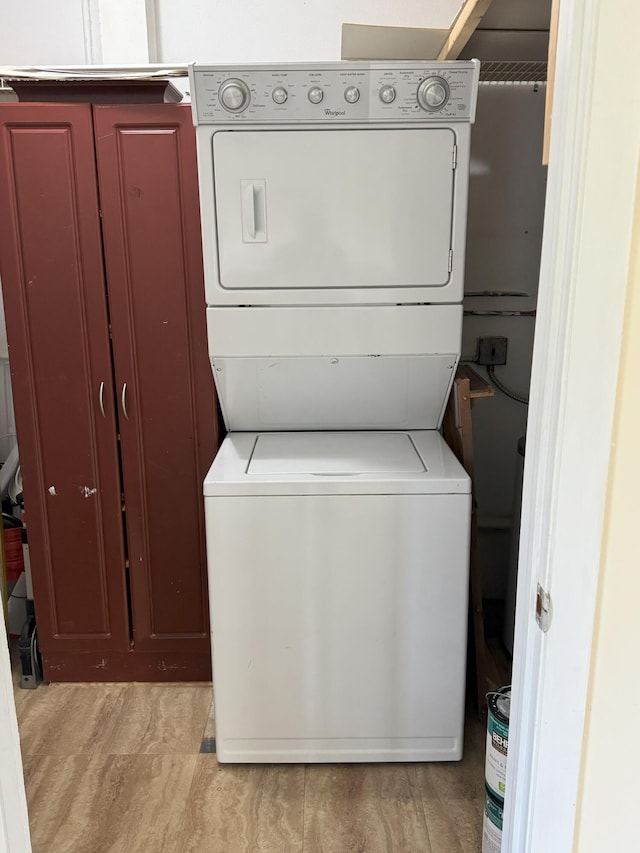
{"x": 132, "y": 665}
{"x": 478, "y": 387}
{"x": 477, "y": 616}
{"x": 463, "y": 28}
{"x": 458, "y": 432}
{"x": 551, "y": 73}
{"x": 498, "y": 665}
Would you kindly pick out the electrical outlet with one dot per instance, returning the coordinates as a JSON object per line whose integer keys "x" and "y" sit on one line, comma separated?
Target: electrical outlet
{"x": 492, "y": 351}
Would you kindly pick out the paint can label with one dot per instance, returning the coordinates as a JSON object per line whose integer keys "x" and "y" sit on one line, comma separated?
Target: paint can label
{"x": 492, "y": 826}
{"x": 495, "y": 769}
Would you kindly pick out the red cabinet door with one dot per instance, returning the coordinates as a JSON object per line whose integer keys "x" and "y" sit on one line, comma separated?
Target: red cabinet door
{"x": 57, "y": 325}
{"x": 151, "y": 231}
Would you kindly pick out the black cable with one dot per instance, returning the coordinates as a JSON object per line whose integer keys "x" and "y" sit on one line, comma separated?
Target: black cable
{"x": 511, "y": 394}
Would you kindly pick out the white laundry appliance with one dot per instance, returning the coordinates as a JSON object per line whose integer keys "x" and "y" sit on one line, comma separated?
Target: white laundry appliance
{"x": 333, "y": 199}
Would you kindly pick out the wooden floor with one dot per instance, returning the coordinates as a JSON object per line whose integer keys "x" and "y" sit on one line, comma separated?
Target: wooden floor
{"x": 112, "y": 768}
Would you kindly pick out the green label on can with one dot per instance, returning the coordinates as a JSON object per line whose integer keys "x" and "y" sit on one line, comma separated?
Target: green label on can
{"x": 495, "y": 769}
{"x": 494, "y": 811}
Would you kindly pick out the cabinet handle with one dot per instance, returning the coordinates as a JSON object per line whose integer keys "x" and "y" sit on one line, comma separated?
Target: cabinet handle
{"x": 101, "y": 399}
{"x": 123, "y": 400}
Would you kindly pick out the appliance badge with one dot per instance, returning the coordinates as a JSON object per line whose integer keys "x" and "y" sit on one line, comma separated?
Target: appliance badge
{"x": 334, "y": 112}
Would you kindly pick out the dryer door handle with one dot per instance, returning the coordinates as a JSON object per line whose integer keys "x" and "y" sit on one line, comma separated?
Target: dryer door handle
{"x": 254, "y": 211}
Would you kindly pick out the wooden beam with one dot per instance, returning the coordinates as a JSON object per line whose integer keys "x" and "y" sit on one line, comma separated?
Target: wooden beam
{"x": 468, "y": 386}
{"x": 551, "y": 75}
{"x": 463, "y": 28}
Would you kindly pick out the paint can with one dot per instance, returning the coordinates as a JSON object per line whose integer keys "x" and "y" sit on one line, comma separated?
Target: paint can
{"x": 495, "y": 767}
{"x": 492, "y": 824}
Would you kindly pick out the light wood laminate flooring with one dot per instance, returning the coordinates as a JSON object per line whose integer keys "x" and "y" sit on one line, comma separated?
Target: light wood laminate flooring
{"x": 118, "y": 767}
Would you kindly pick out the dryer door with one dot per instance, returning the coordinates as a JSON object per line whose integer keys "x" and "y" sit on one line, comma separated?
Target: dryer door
{"x": 334, "y": 209}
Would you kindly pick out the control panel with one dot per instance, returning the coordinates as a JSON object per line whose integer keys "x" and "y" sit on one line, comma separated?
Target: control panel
{"x": 335, "y": 92}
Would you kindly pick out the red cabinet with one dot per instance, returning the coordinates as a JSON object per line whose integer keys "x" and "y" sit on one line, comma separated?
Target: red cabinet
{"x": 101, "y": 269}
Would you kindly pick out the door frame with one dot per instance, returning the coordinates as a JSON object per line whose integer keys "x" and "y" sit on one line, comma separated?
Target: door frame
{"x": 593, "y": 164}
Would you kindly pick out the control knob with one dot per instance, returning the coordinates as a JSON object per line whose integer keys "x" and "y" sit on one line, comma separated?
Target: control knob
{"x": 352, "y": 94}
{"x": 280, "y": 95}
{"x": 387, "y": 94}
{"x": 315, "y": 94}
{"x": 234, "y": 95}
{"x": 433, "y": 94}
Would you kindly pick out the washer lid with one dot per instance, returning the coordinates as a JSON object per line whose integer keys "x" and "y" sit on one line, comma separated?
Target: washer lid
{"x": 415, "y": 462}
{"x": 335, "y": 453}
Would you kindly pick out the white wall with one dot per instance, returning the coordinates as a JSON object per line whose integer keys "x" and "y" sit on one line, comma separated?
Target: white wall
{"x": 7, "y": 418}
{"x": 75, "y": 32}
{"x": 611, "y": 755}
{"x": 7, "y": 423}
{"x": 41, "y": 32}
{"x": 78, "y": 32}
{"x": 4, "y": 348}
{"x": 286, "y": 31}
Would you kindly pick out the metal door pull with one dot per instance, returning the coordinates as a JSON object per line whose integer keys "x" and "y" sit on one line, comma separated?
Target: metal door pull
{"x": 254, "y": 211}
{"x": 123, "y": 400}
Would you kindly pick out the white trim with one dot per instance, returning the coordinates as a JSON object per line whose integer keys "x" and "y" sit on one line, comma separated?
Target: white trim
{"x": 123, "y": 27}
{"x": 92, "y": 34}
{"x": 594, "y": 150}
{"x": 153, "y": 41}
{"x": 14, "y": 820}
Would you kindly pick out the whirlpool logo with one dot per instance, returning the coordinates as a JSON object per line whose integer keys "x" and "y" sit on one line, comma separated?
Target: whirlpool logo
{"x": 334, "y": 112}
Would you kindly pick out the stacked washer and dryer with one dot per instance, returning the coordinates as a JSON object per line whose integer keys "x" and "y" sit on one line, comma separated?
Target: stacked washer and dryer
{"x": 333, "y": 200}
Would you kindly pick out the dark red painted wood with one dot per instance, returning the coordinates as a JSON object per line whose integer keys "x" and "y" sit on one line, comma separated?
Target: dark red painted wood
{"x": 97, "y": 91}
{"x": 128, "y": 666}
{"x": 151, "y": 229}
{"x": 56, "y": 314}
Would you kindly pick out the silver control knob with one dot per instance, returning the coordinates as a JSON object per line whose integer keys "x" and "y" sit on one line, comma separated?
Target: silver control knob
{"x": 279, "y": 95}
{"x": 352, "y": 95}
{"x": 315, "y": 94}
{"x": 433, "y": 93}
{"x": 234, "y": 96}
{"x": 387, "y": 94}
